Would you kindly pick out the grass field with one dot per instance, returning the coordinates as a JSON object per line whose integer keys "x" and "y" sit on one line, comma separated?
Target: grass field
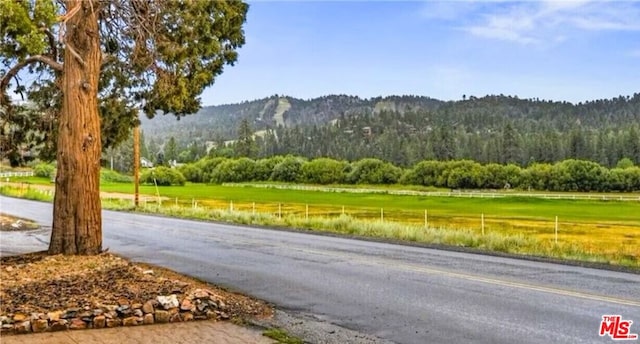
{"x": 606, "y": 231}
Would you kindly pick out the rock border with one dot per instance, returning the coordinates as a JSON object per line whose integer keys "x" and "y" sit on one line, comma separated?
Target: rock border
{"x": 200, "y": 304}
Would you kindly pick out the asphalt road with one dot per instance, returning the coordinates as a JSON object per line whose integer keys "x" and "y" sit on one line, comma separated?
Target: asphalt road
{"x": 399, "y": 293}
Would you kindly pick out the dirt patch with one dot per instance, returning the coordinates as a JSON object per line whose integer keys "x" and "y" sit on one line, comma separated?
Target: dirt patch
{"x": 12, "y": 223}
{"x": 39, "y": 283}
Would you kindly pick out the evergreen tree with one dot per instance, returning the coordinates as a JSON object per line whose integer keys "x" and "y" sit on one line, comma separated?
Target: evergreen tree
{"x": 632, "y": 145}
{"x": 510, "y": 145}
{"x": 245, "y": 146}
{"x": 95, "y": 61}
{"x": 171, "y": 150}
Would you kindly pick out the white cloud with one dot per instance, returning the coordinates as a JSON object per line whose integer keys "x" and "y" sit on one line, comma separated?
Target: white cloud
{"x": 549, "y": 22}
{"x": 501, "y": 33}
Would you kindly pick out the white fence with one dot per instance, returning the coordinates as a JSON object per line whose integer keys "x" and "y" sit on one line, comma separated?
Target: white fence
{"x": 455, "y": 193}
{"x": 16, "y": 174}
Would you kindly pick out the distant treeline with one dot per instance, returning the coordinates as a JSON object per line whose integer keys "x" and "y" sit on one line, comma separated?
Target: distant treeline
{"x": 406, "y": 130}
{"x": 567, "y": 175}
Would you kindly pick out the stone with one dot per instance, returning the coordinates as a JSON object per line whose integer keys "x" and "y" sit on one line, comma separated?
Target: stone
{"x": 123, "y": 302}
{"x": 221, "y": 304}
{"x": 138, "y": 313}
{"x": 54, "y": 316}
{"x": 148, "y": 319}
{"x": 211, "y": 315}
{"x": 201, "y": 307}
{"x": 9, "y": 268}
{"x": 18, "y": 317}
{"x": 186, "y": 305}
{"x": 60, "y": 325}
{"x": 148, "y": 307}
{"x": 224, "y": 315}
{"x": 23, "y": 327}
{"x": 200, "y": 317}
{"x": 99, "y": 321}
{"x": 111, "y": 308}
{"x": 162, "y": 316}
{"x": 77, "y": 324}
{"x": 181, "y": 284}
{"x": 7, "y": 327}
{"x": 200, "y": 294}
{"x": 113, "y": 323}
{"x": 175, "y": 318}
{"x": 188, "y": 316}
{"x": 97, "y": 312}
{"x": 136, "y": 306}
{"x": 130, "y": 321}
{"x": 168, "y": 302}
{"x": 148, "y": 272}
{"x": 123, "y": 311}
{"x": 39, "y": 325}
{"x": 70, "y": 313}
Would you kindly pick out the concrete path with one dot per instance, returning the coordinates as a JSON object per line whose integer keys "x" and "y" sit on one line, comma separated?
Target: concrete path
{"x": 187, "y": 332}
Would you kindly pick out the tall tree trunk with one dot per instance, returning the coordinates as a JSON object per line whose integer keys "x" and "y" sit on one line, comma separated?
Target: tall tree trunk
{"x": 77, "y": 219}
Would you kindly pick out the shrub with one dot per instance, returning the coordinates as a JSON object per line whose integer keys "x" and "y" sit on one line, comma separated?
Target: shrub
{"x": 240, "y": 170}
{"x": 498, "y": 176}
{"x": 208, "y": 165}
{"x": 424, "y": 173}
{"x": 624, "y": 179}
{"x": 465, "y": 174}
{"x": 323, "y": 171}
{"x": 288, "y": 170}
{"x": 374, "y": 171}
{"x": 579, "y": 175}
{"x": 111, "y": 176}
{"x": 624, "y": 163}
{"x": 264, "y": 167}
{"x": 192, "y": 173}
{"x": 164, "y": 176}
{"x": 44, "y": 170}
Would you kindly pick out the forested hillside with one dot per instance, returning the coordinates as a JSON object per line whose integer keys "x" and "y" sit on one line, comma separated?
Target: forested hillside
{"x": 407, "y": 129}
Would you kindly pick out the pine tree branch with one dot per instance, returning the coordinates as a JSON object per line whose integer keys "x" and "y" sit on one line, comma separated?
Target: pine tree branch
{"x": 52, "y": 43}
{"x": 4, "y": 82}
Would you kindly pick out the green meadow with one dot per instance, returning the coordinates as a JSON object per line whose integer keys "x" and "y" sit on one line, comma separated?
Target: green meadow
{"x": 589, "y": 230}
{"x": 612, "y": 212}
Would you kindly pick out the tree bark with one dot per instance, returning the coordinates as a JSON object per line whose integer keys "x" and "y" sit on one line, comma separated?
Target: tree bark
{"x": 136, "y": 165}
{"x": 77, "y": 218}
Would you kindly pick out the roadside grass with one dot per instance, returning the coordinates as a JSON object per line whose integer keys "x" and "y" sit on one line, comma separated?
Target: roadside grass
{"x": 594, "y": 231}
{"x": 26, "y": 193}
{"x": 29, "y": 180}
{"x": 281, "y": 336}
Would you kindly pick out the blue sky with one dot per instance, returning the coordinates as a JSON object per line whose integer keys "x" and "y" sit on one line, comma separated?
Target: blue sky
{"x": 559, "y": 50}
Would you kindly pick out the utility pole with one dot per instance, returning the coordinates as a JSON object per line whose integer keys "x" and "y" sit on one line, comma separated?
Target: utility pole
{"x": 136, "y": 164}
